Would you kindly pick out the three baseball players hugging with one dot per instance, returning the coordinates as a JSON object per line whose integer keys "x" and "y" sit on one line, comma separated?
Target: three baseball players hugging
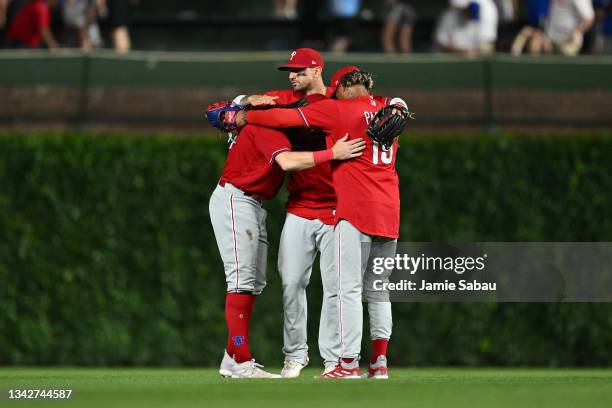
{"x": 338, "y": 143}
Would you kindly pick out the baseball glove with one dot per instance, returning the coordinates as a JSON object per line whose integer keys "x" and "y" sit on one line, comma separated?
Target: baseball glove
{"x": 388, "y": 124}
{"x": 222, "y": 114}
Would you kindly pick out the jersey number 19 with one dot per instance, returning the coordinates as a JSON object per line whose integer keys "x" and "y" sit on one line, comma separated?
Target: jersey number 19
{"x": 381, "y": 154}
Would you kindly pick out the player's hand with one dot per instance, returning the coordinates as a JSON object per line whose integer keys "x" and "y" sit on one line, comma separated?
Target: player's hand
{"x": 402, "y": 110}
{"x": 257, "y": 100}
{"x": 345, "y": 149}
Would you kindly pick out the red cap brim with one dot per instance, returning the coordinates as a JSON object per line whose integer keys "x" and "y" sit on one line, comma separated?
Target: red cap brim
{"x": 287, "y": 67}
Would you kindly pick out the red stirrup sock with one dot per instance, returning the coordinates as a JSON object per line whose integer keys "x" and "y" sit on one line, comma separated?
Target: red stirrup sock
{"x": 238, "y": 309}
{"x": 379, "y": 348}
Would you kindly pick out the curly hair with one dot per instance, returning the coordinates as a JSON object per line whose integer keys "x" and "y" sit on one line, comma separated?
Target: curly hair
{"x": 358, "y": 78}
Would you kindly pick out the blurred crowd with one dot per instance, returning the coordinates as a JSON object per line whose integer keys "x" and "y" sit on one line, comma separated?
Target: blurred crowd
{"x": 29, "y": 23}
{"x": 469, "y": 27}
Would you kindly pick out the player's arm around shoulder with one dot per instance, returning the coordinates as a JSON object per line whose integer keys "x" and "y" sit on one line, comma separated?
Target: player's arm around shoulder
{"x": 343, "y": 149}
{"x": 323, "y": 114}
{"x": 265, "y": 99}
{"x": 257, "y": 100}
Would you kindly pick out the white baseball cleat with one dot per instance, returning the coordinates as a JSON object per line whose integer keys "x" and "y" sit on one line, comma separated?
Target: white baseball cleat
{"x": 292, "y": 368}
{"x": 227, "y": 365}
{"x": 378, "y": 370}
{"x": 250, "y": 369}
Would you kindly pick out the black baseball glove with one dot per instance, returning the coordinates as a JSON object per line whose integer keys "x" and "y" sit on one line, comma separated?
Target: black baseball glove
{"x": 388, "y": 124}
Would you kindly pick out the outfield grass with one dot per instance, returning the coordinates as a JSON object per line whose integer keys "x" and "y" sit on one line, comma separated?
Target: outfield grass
{"x": 406, "y": 388}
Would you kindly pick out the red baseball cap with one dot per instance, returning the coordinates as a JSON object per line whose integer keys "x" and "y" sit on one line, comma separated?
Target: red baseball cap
{"x": 337, "y": 77}
{"x": 303, "y": 58}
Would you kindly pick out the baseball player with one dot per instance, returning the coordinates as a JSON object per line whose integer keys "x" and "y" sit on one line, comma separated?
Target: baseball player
{"x": 367, "y": 214}
{"x": 379, "y": 307}
{"x": 308, "y": 226}
{"x": 305, "y": 67}
{"x": 253, "y": 172}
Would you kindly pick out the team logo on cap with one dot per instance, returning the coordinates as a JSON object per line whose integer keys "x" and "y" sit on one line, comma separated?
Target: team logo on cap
{"x": 292, "y": 55}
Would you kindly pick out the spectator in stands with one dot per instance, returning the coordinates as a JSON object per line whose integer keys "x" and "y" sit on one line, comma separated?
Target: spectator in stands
{"x": 532, "y": 35}
{"x": 566, "y": 25}
{"x": 3, "y": 12}
{"x": 344, "y": 13}
{"x": 31, "y": 26}
{"x": 488, "y": 22}
{"x": 507, "y": 10}
{"x": 119, "y": 16}
{"x": 400, "y": 17}
{"x": 468, "y": 27}
{"x": 4, "y": 18}
{"x": 311, "y": 24}
{"x": 537, "y": 13}
{"x": 80, "y": 16}
{"x": 602, "y": 43}
{"x": 457, "y": 32}
{"x": 285, "y": 9}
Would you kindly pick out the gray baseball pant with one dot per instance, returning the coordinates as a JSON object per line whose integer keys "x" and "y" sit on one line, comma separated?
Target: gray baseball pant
{"x": 301, "y": 239}
{"x": 239, "y": 223}
{"x": 355, "y": 252}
